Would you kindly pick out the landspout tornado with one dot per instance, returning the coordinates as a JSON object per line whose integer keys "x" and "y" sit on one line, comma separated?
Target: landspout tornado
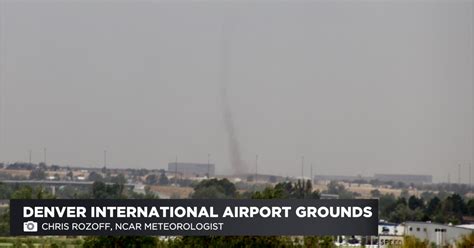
{"x": 232, "y": 138}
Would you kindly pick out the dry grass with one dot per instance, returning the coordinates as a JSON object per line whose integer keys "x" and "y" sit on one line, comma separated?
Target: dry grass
{"x": 182, "y": 192}
{"x": 20, "y": 173}
{"x": 365, "y": 189}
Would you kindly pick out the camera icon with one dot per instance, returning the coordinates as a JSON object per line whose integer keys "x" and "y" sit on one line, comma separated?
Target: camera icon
{"x": 30, "y": 226}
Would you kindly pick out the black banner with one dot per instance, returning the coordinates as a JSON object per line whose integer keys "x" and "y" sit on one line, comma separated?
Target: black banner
{"x": 194, "y": 217}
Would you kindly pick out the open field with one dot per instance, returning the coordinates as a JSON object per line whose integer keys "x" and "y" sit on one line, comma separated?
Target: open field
{"x": 167, "y": 191}
{"x": 15, "y": 173}
{"x": 365, "y": 189}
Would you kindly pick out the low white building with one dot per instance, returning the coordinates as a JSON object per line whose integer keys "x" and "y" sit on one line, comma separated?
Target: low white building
{"x": 390, "y": 229}
{"x": 391, "y": 234}
{"x": 438, "y": 234}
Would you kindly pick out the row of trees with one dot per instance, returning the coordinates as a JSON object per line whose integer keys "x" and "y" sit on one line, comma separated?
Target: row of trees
{"x": 340, "y": 190}
{"x": 450, "y": 209}
{"x": 154, "y": 179}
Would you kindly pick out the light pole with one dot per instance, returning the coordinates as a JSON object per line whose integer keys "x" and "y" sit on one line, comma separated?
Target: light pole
{"x": 470, "y": 177}
{"x": 208, "y": 165}
{"x": 176, "y": 172}
{"x": 302, "y": 168}
{"x": 105, "y": 158}
{"x": 256, "y": 167}
{"x": 459, "y": 174}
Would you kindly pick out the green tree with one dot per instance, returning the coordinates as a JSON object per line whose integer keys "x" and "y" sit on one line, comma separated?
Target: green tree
{"x": 453, "y": 208}
{"x": 214, "y": 189}
{"x": 101, "y": 190}
{"x": 470, "y": 207}
{"x": 5, "y": 191}
{"x": 94, "y": 176}
{"x": 387, "y": 204}
{"x": 120, "y": 242}
{"x": 269, "y": 193}
{"x": 415, "y": 202}
{"x": 375, "y": 193}
{"x": 27, "y": 192}
{"x": 38, "y": 174}
{"x": 163, "y": 179}
{"x": 5, "y": 221}
{"x": 403, "y": 213}
{"x": 340, "y": 190}
{"x": 151, "y": 179}
{"x": 288, "y": 190}
{"x": 434, "y": 205}
{"x": 400, "y": 214}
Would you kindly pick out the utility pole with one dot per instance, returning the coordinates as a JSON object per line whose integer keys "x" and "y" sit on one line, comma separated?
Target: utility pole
{"x": 470, "y": 175}
{"x": 302, "y": 168}
{"x": 44, "y": 153}
{"x": 29, "y": 156}
{"x": 256, "y": 168}
{"x": 176, "y": 172}
{"x": 449, "y": 178}
{"x": 208, "y": 165}
{"x": 105, "y": 158}
{"x": 311, "y": 173}
{"x": 459, "y": 174}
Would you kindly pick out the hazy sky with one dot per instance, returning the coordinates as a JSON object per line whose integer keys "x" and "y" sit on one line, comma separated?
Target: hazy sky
{"x": 357, "y": 87}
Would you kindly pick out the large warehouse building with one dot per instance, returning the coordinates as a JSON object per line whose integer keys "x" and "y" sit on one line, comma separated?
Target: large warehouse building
{"x": 192, "y": 169}
{"x": 404, "y": 178}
